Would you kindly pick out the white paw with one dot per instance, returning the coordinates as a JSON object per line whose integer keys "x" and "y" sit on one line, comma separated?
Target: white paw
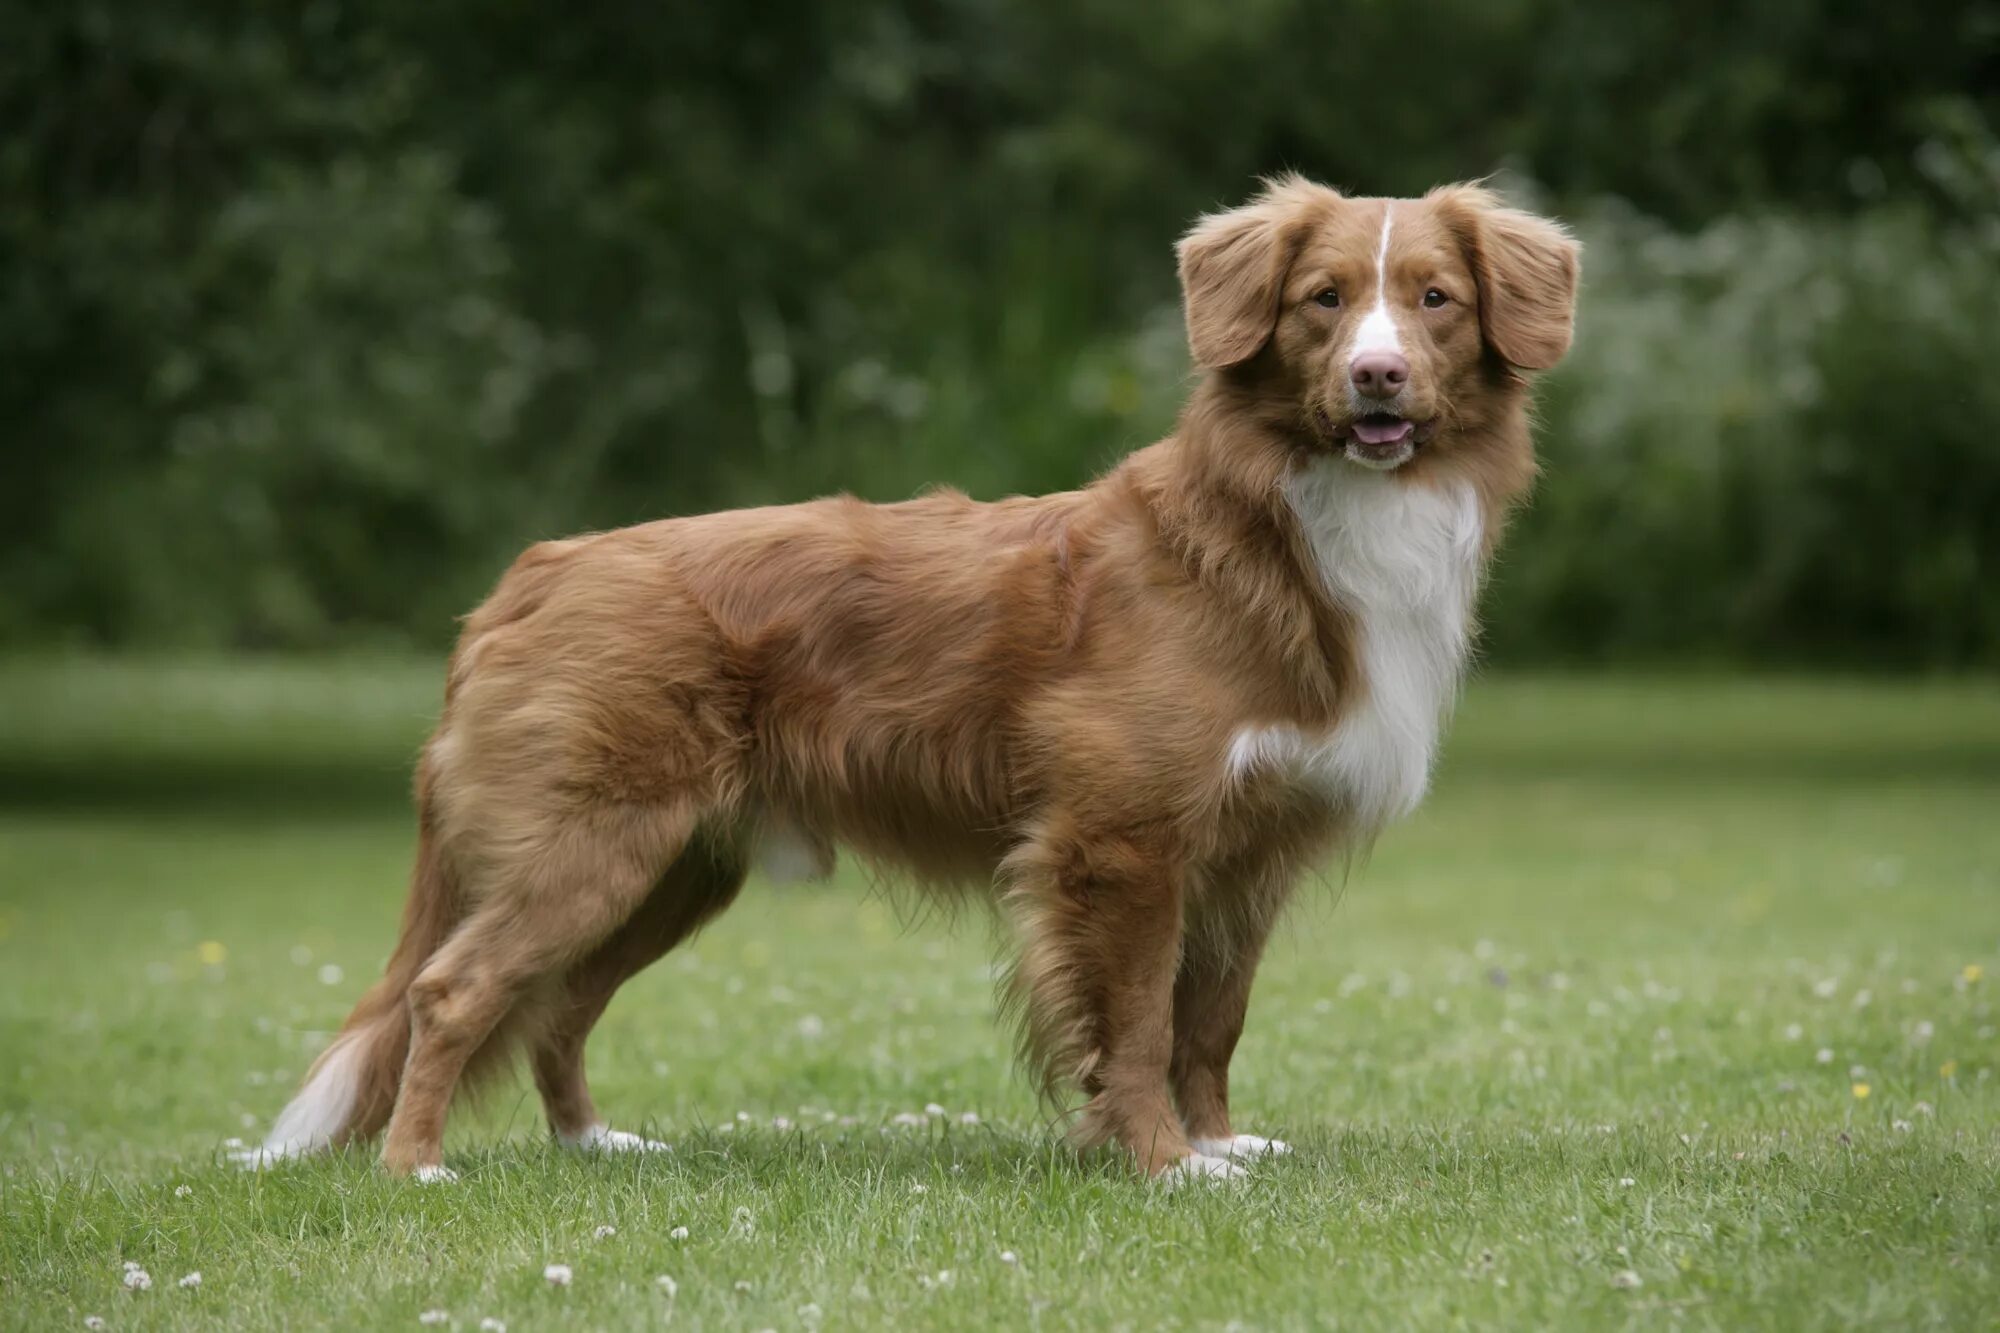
{"x": 603, "y": 1138}
{"x": 434, "y": 1175}
{"x": 265, "y": 1157}
{"x": 1200, "y": 1166}
{"x": 1242, "y": 1146}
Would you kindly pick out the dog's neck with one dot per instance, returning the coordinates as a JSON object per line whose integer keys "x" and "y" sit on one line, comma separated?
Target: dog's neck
{"x": 1238, "y": 443}
{"x": 1222, "y": 493}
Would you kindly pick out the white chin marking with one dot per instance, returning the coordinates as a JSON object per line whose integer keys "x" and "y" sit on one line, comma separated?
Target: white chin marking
{"x": 317, "y": 1115}
{"x": 603, "y": 1138}
{"x": 1387, "y": 463}
{"x": 1242, "y": 1146}
{"x": 434, "y": 1175}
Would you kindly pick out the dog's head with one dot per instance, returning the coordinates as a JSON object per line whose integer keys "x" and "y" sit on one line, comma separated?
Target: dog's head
{"x": 1392, "y": 326}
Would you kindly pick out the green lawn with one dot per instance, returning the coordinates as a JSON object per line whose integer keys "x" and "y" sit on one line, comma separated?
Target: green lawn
{"x": 1673, "y": 1008}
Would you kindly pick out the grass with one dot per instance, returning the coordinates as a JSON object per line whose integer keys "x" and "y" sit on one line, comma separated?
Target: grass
{"x": 1686, "y": 985}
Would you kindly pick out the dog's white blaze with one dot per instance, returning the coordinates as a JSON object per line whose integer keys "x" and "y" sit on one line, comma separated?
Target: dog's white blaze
{"x": 1377, "y": 331}
{"x": 320, "y": 1111}
{"x": 1404, "y": 561}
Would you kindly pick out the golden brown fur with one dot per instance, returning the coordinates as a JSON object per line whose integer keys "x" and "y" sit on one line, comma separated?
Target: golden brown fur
{"x": 1038, "y": 695}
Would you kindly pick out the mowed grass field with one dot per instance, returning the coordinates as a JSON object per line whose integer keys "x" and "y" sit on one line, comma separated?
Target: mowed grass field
{"x": 1674, "y": 1008}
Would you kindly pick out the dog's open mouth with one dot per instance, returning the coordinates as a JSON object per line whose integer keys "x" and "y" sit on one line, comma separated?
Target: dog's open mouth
{"x": 1383, "y": 432}
{"x": 1378, "y": 439}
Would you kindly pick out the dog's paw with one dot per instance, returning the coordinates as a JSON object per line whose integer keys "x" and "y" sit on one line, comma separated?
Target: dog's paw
{"x": 434, "y": 1175}
{"x": 1200, "y": 1166}
{"x": 1242, "y": 1146}
{"x": 265, "y": 1156}
{"x": 603, "y": 1138}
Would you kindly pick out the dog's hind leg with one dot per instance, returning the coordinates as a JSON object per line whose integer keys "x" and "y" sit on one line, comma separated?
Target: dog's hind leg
{"x": 548, "y": 900}
{"x": 699, "y": 885}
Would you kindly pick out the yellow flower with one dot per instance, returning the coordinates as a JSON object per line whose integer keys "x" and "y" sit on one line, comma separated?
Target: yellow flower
{"x": 1972, "y": 972}
{"x": 1861, "y": 1091}
{"x": 1948, "y": 1069}
{"x": 212, "y": 953}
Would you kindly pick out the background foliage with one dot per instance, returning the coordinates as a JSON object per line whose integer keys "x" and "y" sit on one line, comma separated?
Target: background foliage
{"x": 311, "y": 315}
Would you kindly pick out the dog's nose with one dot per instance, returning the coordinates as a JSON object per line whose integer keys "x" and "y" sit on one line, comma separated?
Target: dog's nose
{"x": 1379, "y": 374}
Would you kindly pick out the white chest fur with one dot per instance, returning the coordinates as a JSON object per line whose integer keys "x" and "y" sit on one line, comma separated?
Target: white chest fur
{"x": 1403, "y": 561}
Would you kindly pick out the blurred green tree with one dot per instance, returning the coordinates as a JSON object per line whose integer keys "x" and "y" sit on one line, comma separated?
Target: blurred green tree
{"x": 311, "y": 315}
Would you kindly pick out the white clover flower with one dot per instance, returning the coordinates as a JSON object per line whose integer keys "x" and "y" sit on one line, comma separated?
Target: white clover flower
{"x": 812, "y": 1026}
{"x": 183, "y": 1191}
{"x": 742, "y": 1287}
{"x": 491, "y": 1325}
{"x": 137, "y": 1278}
{"x": 810, "y": 1312}
{"x": 780, "y": 1123}
{"x": 558, "y": 1274}
{"x": 1009, "y": 1257}
{"x": 932, "y": 1108}
{"x": 1900, "y": 1126}
{"x": 1921, "y": 1034}
{"x": 331, "y": 975}
{"x": 969, "y": 1118}
{"x": 1627, "y": 1181}
{"x": 668, "y": 1285}
{"x": 604, "y": 1233}
{"x": 191, "y": 1281}
{"x": 678, "y": 1233}
{"x": 1625, "y": 1280}
{"x": 93, "y": 1321}
{"x": 1825, "y": 989}
{"x": 1793, "y": 1032}
{"x": 920, "y": 1189}
{"x": 1824, "y": 1055}
{"x": 906, "y": 1118}
{"x": 434, "y": 1317}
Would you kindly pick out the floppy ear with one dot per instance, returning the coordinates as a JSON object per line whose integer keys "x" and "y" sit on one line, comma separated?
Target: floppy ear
{"x": 1233, "y": 268}
{"x": 1526, "y": 267}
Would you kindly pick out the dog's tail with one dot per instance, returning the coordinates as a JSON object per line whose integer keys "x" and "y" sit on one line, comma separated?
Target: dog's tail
{"x": 351, "y": 1089}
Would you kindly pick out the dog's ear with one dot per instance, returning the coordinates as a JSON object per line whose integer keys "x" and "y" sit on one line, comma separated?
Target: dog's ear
{"x": 1233, "y": 268}
{"x": 1526, "y": 268}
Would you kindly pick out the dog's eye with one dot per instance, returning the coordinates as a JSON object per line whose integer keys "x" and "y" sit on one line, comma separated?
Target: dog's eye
{"x": 1328, "y": 298}
{"x": 1434, "y": 298}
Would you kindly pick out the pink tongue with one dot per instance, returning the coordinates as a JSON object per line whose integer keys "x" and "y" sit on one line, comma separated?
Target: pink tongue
{"x": 1383, "y": 432}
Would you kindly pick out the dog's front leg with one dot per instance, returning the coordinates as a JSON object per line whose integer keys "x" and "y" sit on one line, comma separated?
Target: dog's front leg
{"x": 1101, "y": 925}
{"x": 1211, "y": 999}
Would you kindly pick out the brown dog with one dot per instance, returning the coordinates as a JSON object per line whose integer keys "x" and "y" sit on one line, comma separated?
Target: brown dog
{"x": 1135, "y": 710}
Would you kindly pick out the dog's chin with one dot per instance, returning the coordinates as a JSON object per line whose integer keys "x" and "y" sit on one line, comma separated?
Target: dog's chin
{"x": 1378, "y": 441}
{"x": 1377, "y": 457}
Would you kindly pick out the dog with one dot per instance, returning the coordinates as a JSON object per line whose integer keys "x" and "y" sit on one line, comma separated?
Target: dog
{"x": 1130, "y": 714}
